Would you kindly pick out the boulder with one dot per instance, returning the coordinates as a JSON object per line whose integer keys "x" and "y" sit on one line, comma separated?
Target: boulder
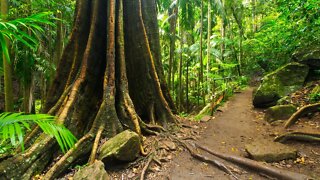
{"x": 95, "y": 171}
{"x": 310, "y": 57}
{"x": 280, "y": 83}
{"x": 123, "y": 147}
{"x": 270, "y": 151}
{"x": 280, "y": 112}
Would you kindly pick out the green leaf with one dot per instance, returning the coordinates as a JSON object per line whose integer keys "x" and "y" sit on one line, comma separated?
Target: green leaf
{"x": 4, "y": 48}
{"x": 12, "y": 125}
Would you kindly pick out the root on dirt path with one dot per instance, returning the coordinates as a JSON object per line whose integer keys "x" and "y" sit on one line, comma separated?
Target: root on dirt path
{"x": 257, "y": 166}
{"x": 206, "y": 159}
{"x": 301, "y": 136}
{"x": 301, "y": 112}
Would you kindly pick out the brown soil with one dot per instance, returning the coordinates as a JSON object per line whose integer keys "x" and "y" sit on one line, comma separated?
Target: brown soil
{"x": 237, "y": 124}
{"x": 233, "y": 126}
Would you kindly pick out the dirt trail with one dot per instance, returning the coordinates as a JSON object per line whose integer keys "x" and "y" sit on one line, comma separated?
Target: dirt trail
{"x": 237, "y": 125}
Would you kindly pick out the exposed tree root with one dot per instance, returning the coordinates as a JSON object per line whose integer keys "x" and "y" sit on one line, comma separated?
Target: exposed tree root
{"x": 301, "y": 136}
{"x": 96, "y": 144}
{"x": 37, "y": 167}
{"x": 15, "y": 167}
{"x": 81, "y": 148}
{"x": 146, "y": 167}
{"x": 301, "y": 112}
{"x": 54, "y": 109}
{"x": 257, "y": 166}
{"x": 203, "y": 158}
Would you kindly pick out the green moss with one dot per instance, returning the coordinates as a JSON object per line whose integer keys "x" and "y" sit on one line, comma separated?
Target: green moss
{"x": 280, "y": 112}
{"x": 314, "y": 96}
{"x": 280, "y": 83}
{"x": 123, "y": 147}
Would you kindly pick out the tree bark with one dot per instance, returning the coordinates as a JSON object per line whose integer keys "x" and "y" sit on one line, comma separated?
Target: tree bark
{"x": 208, "y": 47}
{"x": 173, "y": 14}
{"x": 200, "y": 91}
{"x": 110, "y": 78}
{"x": 7, "y": 68}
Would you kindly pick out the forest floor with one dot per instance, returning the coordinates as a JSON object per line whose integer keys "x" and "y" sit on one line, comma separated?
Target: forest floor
{"x": 234, "y": 125}
{"x": 237, "y": 124}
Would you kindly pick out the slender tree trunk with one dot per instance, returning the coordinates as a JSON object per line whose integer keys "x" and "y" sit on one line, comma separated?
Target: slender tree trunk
{"x": 238, "y": 19}
{"x": 7, "y": 67}
{"x": 200, "y": 91}
{"x": 254, "y": 20}
{"x": 187, "y": 86}
{"x": 173, "y": 14}
{"x": 208, "y": 47}
{"x": 180, "y": 95}
{"x": 28, "y": 84}
{"x": 223, "y": 36}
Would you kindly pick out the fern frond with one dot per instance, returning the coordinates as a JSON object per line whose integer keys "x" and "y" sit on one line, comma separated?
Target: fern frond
{"x": 14, "y": 125}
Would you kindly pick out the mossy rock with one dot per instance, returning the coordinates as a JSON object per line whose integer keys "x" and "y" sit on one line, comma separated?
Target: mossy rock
{"x": 124, "y": 147}
{"x": 310, "y": 57}
{"x": 284, "y": 100}
{"x": 95, "y": 171}
{"x": 269, "y": 151}
{"x": 280, "y": 83}
{"x": 280, "y": 112}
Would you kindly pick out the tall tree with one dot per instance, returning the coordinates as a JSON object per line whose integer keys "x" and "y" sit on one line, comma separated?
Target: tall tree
{"x": 109, "y": 79}
{"x": 208, "y": 44}
{"x": 200, "y": 87}
{"x": 7, "y": 68}
{"x": 173, "y": 18}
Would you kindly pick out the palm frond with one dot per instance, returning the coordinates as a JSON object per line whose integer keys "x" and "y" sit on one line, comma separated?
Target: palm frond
{"x": 14, "y": 125}
{"x": 16, "y": 30}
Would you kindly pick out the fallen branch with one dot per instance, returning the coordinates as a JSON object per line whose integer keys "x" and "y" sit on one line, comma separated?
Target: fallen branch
{"x": 257, "y": 166}
{"x": 302, "y": 136}
{"x": 301, "y": 112}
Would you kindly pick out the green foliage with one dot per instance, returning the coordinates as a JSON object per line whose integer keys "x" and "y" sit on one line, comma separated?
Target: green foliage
{"x": 286, "y": 27}
{"x": 14, "y": 125}
{"x": 314, "y": 97}
{"x": 17, "y": 30}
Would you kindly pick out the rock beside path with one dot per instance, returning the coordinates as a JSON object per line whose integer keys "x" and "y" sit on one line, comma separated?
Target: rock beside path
{"x": 270, "y": 151}
{"x": 280, "y": 83}
{"x": 95, "y": 171}
{"x": 280, "y": 112}
{"x": 123, "y": 147}
{"x": 310, "y": 57}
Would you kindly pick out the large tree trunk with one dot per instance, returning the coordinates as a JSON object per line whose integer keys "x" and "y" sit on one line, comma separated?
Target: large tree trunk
{"x": 110, "y": 78}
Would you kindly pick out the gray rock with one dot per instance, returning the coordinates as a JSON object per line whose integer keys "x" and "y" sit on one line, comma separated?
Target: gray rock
{"x": 270, "y": 151}
{"x": 310, "y": 57}
{"x": 95, "y": 171}
{"x": 280, "y": 112}
{"x": 280, "y": 83}
{"x": 123, "y": 147}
